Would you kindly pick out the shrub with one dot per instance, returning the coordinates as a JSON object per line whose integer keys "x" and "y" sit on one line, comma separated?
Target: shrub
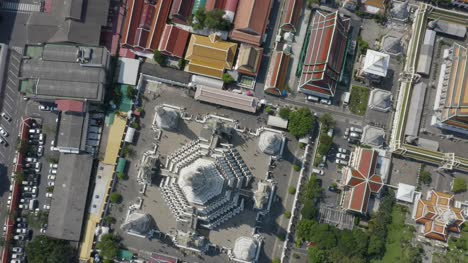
{"x": 296, "y": 168}
{"x": 227, "y": 79}
{"x": 109, "y": 220}
{"x": 302, "y": 145}
{"x": 159, "y": 58}
{"x": 269, "y": 110}
{"x": 425, "y": 177}
{"x": 287, "y": 214}
{"x": 292, "y": 190}
{"x": 115, "y": 197}
{"x": 121, "y": 176}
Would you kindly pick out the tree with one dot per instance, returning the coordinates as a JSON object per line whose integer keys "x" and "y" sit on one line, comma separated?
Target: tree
{"x": 305, "y": 229}
{"x": 227, "y": 79}
{"x": 45, "y": 249}
{"x": 309, "y": 210}
{"x": 109, "y": 220}
{"x": 287, "y": 214}
{"x": 325, "y": 144}
{"x": 327, "y": 121}
{"x": 301, "y": 122}
{"x": 459, "y": 185}
{"x": 116, "y": 95}
{"x": 159, "y": 58}
{"x": 425, "y": 177}
{"x": 284, "y": 113}
{"x": 213, "y": 19}
{"x": 269, "y": 110}
{"x": 115, "y": 197}
{"x": 108, "y": 246}
{"x": 316, "y": 255}
{"x": 292, "y": 190}
{"x": 131, "y": 92}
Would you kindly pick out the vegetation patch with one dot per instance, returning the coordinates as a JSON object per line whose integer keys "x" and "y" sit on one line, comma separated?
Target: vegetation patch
{"x": 358, "y": 100}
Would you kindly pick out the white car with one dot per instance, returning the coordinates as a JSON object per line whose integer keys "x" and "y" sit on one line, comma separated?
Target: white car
{"x": 17, "y": 250}
{"x": 38, "y": 167}
{"x": 46, "y": 207}
{"x": 31, "y": 160}
{"x": 49, "y": 195}
{"x": 3, "y": 132}
{"x": 342, "y": 162}
{"x": 44, "y": 108}
{"x": 51, "y": 177}
{"x": 43, "y": 230}
{"x": 343, "y": 150}
{"x": 21, "y": 231}
{"x": 52, "y": 171}
{"x": 51, "y": 183}
{"x": 341, "y": 156}
{"x": 53, "y": 165}
{"x": 40, "y": 150}
{"x": 6, "y": 117}
{"x": 18, "y": 237}
{"x": 41, "y": 139}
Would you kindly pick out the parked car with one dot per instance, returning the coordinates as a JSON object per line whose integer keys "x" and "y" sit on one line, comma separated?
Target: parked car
{"x": 313, "y": 98}
{"x": 330, "y": 132}
{"x": 354, "y": 135}
{"x": 38, "y": 167}
{"x": 3, "y": 132}
{"x": 51, "y": 183}
{"x": 21, "y": 231}
{"x": 343, "y": 150}
{"x": 44, "y": 108}
{"x": 341, "y": 156}
{"x": 19, "y": 237}
{"x": 46, "y": 207}
{"x": 41, "y": 138}
{"x": 17, "y": 249}
{"x": 2, "y": 141}
{"x": 34, "y": 131}
{"x": 317, "y": 171}
{"x": 346, "y": 133}
{"x": 40, "y": 150}
{"x": 355, "y": 129}
{"x": 49, "y": 195}
{"x": 334, "y": 189}
{"x": 52, "y": 171}
{"x": 21, "y": 225}
{"x": 342, "y": 162}
{"x": 31, "y": 160}
{"x": 53, "y": 165}
{"x": 6, "y": 116}
{"x": 51, "y": 177}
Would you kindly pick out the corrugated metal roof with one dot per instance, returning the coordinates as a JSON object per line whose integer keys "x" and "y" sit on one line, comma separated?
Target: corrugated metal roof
{"x": 226, "y": 98}
{"x": 415, "y": 110}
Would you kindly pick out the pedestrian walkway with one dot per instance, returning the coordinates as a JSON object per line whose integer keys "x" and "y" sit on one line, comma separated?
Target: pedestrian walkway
{"x": 15, "y": 6}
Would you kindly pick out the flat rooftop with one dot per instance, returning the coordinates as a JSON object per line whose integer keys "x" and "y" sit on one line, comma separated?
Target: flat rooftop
{"x": 53, "y": 71}
{"x": 69, "y": 197}
{"x": 70, "y": 131}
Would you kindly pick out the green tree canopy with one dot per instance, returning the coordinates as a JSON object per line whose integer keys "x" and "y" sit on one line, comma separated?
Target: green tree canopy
{"x": 284, "y": 113}
{"x": 108, "y": 246}
{"x": 115, "y": 197}
{"x": 45, "y": 249}
{"x": 327, "y": 121}
{"x": 227, "y": 79}
{"x": 213, "y": 19}
{"x": 316, "y": 255}
{"x": 301, "y": 122}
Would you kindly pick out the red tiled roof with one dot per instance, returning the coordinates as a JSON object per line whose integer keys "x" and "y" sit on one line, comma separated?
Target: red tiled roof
{"x": 174, "y": 41}
{"x": 325, "y": 53}
{"x": 180, "y": 11}
{"x": 361, "y": 180}
{"x": 251, "y": 21}
{"x": 70, "y": 105}
{"x": 228, "y": 5}
{"x": 277, "y": 73}
{"x": 144, "y": 24}
{"x": 292, "y": 12}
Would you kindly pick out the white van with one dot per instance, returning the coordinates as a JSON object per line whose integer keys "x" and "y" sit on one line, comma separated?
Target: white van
{"x": 317, "y": 171}
{"x": 313, "y": 98}
{"x": 32, "y": 204}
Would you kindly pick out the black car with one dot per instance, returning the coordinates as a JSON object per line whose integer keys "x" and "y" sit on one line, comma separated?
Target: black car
{"x": 334, "y": 189}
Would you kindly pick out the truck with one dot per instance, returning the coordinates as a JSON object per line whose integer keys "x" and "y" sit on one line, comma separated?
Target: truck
{"x": 356, "y": 129}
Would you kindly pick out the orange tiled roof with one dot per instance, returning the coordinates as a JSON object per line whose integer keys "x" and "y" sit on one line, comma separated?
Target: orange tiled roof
{"x": 438, "y": 215}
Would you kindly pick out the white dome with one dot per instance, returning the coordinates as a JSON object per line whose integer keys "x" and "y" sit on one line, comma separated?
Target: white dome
{"x": 200, "y": 181}
{"x": 245, "y": 248}
{"x": 270, "y": 143}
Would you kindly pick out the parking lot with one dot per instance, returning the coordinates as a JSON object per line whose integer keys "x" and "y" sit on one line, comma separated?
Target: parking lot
{"x": 38, "y": 173}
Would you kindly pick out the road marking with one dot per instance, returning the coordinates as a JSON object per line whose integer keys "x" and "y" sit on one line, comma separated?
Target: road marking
{"x": 7, "y": 104}
{"x": 13, "y": 64}
{"x": 10, "y": 88}
{"x": 17, "y": 59}
{"x": 10, "y": 79}
{"x": 13, "y": 73}
{"x": 8, "y": 96}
